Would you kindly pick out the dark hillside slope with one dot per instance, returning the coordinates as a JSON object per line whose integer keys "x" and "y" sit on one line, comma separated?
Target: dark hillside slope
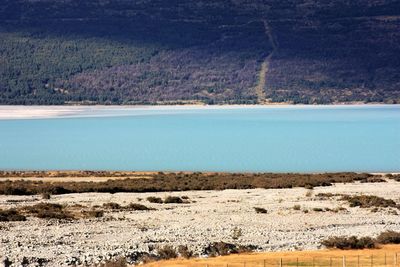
{"x": 157, "y": 51}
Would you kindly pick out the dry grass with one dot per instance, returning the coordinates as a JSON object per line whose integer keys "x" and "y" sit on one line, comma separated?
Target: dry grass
{"x": 305, "y": 258}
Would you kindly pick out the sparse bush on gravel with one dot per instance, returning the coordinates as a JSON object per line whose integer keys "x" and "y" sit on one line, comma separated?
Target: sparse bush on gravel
{"x": 365, "y": 201}
{"x": 221, "y": 248}
{"x": 48, "y": 211}
{"x": 349, "y": 242}
{"x": 11, "y": 215}
{"x": 93, "y": 213}
{"x": 184, "y": 252}
{"x": 46, "y": 196}
{"x": 237, "y": 233}
{"x": 166, "y": 252}
{"x": 395, "y": 177}
{"x": 172, "y": 199}
{"x": 389, "y": 237}
{"x": 318, "y": 209}
{"x": 296, "y": 207}
{"x": 157, "y": 200}
{"x": 260, "y": 210}
{"x": 131, "y": 206}
{"x": 112, "y": 206}
{"x": 121, "y": 262}
{"x": 136, "y": 206}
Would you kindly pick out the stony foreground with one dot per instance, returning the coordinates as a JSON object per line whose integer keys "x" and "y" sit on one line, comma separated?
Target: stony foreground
{"x": 210, "y": 216}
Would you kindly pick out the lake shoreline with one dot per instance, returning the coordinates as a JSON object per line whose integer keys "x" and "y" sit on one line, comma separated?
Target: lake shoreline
{"x": 13, "y": 112}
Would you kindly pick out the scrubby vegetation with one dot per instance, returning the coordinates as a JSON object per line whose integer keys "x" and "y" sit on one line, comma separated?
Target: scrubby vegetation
{"x": 395, "y": 177}
{"x": 164, "y": 182}
{"x": 260, "y": 210}
{"x": 151, "y": 52}
{"x": 131, "y": 206}
{"x": 221, "y": 248}
{"x": 48, "y": 211}
{"x": 121, "y": 262}
{"x": 353, "y": 242}
{"x": 172, "y": 199}
{"x": 11, "y": 215}
{"x": 366, "y": 201}
{"x": 389, "y": 237}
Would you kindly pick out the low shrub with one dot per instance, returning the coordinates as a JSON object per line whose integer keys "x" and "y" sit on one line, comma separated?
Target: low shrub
{"x": 318, "y": 209}
{"x": 48, "y": 211}
{"x": 389, "y": 237}
{"x": 395, "y": 177}
{"x": 349, "y": 242}
{"x": 365, "y": 201}
{"x": 157, "y": 200}
{"x": 136, "y": 206}
{"x": 11, "y": 215}
{"x": 166, "y": 252}
{"x": 121, "y": 262}
{"x": 236, "y": 233}
{"x": 112, "y": 206}
{"x": 260, "y": 210}
{"x": 172, "y": 199}
{"x": 93, "y": 213}
{"x": 221, "y": 248}
{"x": 185, "y": 252}
{"x": 296, "y": 207}
{"x": 46, "y": 196}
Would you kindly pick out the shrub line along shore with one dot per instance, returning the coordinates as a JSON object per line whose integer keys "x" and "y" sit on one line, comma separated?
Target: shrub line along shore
{"x": 10, "y": 184}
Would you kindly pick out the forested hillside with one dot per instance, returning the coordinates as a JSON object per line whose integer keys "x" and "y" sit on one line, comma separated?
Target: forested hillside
{"x": 221, "y": 51}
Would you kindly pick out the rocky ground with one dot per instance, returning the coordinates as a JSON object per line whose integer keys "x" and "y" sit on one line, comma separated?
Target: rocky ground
{"x": 210, "y": 216}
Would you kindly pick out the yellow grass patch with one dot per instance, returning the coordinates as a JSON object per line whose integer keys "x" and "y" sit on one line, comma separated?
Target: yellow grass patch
{"x": 388, "y": 255}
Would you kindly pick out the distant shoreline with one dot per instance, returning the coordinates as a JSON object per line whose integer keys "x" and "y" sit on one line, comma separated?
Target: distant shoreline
{"x": 12, "y": 112}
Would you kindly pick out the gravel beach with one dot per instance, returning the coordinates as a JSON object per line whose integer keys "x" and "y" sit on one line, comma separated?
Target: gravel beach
{"x": 210, "y": 216}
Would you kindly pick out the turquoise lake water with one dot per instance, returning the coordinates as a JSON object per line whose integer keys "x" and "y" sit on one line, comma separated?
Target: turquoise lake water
{"x": 290, "y": 139}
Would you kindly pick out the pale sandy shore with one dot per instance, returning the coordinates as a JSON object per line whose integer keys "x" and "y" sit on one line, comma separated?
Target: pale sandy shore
{"x": 41, "y": 112}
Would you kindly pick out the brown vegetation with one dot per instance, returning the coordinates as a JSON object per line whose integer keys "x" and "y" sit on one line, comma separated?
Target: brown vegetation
{"x": 117, "y": 263}
{"x": 395, "y": 177}
{"x": 353, "y": 242}
{"x": 11, "y": 215}
{"x": 222, "y": 248}
{"x": 260, "y": 210}
{"x": 365, "y": 201}
{"x": 48, "y": 211}
{"x": 389, "y": 237}
{"x": 163, "y": 182}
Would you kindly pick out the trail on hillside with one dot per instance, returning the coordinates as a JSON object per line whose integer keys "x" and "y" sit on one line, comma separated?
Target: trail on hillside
{"x": 262, "y": 78}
